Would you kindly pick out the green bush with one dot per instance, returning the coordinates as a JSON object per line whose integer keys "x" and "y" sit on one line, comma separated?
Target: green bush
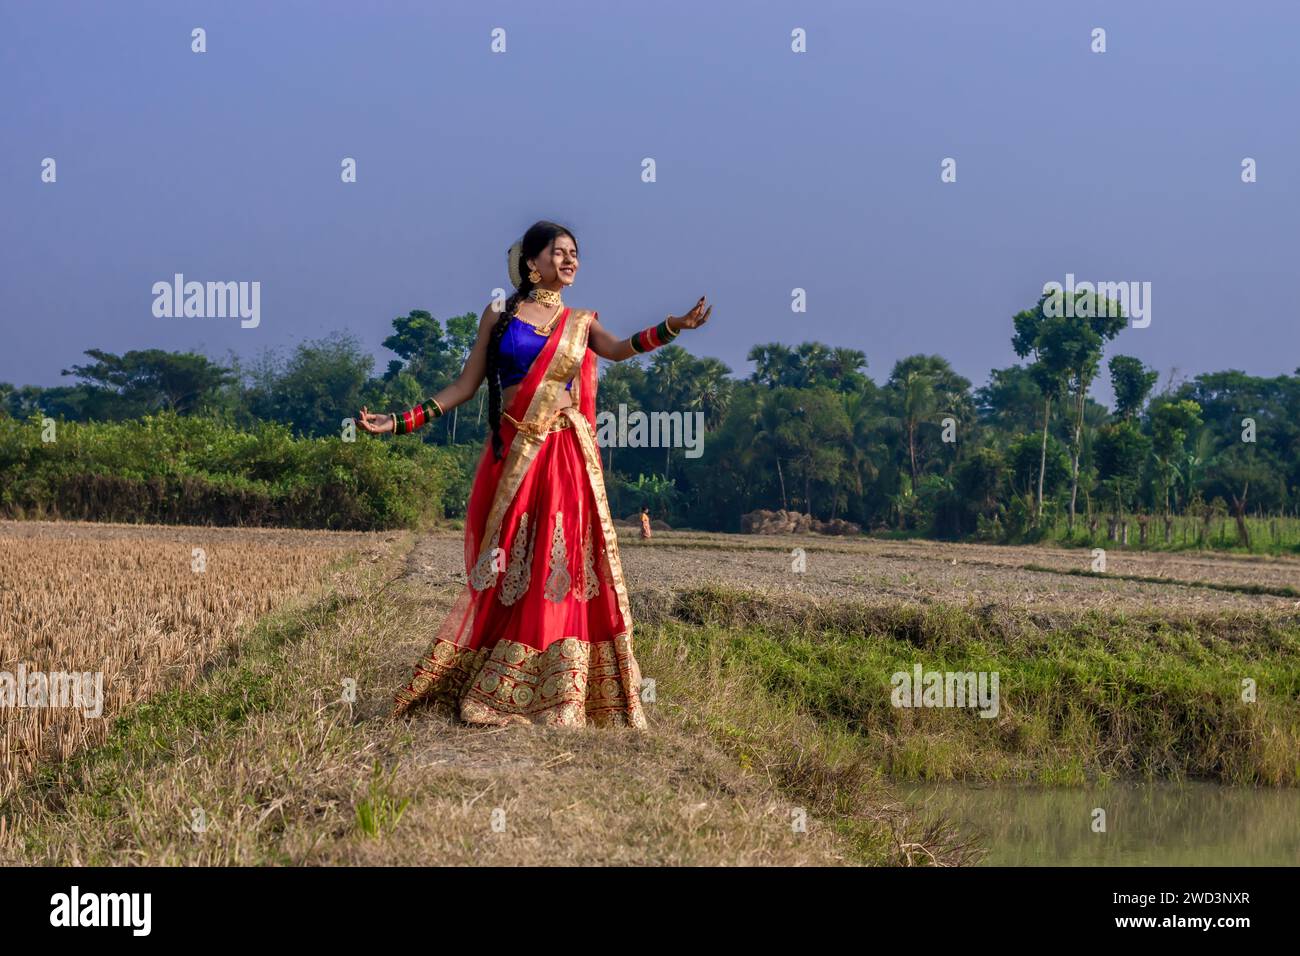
{"x": 168, "y": 469}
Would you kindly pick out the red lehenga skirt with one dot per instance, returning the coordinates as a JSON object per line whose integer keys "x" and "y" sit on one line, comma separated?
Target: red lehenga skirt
{"x": 541, "y": 632}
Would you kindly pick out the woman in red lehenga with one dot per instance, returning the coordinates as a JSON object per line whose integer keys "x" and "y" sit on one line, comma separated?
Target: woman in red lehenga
{"x": 541, "y": 632}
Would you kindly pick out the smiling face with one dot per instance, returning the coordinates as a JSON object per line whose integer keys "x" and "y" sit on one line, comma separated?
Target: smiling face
{"x": 558, "y": 263}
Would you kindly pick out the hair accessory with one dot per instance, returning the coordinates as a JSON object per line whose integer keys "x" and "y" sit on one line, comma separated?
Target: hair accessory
{"x": 512, "y": 263}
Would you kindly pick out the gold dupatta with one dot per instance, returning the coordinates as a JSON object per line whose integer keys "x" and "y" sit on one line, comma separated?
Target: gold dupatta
{"x": 570, "y": 360}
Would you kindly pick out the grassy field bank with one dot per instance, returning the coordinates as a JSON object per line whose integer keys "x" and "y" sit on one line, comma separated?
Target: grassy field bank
{"x": 1085, "y": 697}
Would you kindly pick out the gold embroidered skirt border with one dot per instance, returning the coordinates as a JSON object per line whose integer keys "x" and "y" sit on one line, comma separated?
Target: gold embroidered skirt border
{"x": 570, "y": 684}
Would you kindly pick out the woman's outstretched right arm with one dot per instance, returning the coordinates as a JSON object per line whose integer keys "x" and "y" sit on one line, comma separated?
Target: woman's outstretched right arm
{"x": 458, "y": 392}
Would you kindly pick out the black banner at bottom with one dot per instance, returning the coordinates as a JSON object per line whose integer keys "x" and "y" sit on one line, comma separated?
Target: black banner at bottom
{"x": 336, "y": 906}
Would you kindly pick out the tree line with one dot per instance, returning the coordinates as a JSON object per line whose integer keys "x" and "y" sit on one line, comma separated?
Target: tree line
{"x": 1028, "y": 454}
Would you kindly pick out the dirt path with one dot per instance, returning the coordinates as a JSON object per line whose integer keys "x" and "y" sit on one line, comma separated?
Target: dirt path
{"x": 591, "y": 796}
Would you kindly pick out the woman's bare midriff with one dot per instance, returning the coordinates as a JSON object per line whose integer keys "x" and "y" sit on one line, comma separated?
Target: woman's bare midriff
{"x": 508, "y": 396}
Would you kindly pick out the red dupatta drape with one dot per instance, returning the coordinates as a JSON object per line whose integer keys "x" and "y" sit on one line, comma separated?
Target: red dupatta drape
{"x": 540, "y": 634}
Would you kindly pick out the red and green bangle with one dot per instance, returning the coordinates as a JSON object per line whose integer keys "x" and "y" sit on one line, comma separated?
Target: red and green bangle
{"x": 652, "y": 338}
{"x": 412, "y": 419}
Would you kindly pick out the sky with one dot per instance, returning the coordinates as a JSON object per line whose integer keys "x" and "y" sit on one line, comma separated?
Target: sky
{"x": 775, "y": 170}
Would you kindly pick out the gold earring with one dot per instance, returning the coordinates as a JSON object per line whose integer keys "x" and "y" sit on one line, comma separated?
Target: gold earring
{"x": 534, "y": 276}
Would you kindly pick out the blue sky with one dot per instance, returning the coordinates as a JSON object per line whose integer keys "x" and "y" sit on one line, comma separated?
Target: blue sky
{"x": 775, "y": 170}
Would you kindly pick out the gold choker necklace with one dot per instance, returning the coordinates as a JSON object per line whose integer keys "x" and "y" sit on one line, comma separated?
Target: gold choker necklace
{"x": 545, "y": 297}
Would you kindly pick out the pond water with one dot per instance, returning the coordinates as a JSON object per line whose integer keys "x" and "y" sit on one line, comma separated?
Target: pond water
{"x": 1149, "y": 824}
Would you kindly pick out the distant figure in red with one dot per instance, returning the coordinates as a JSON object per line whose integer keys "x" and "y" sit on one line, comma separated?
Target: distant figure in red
{"x": 645, "y": 522}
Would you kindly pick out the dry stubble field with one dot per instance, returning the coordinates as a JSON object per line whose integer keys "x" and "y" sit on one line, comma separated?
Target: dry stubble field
{"x": 138, "y": 606}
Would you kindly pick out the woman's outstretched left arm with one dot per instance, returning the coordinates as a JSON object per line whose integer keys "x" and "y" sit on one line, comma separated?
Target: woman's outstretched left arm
{"x": 607, "y": 346}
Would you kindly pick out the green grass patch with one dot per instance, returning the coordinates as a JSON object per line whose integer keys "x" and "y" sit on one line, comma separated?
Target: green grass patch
{"x": 1096, "y": 696}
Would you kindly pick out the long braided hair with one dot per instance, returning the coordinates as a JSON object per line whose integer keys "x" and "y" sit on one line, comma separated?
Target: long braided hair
{"x": 536, "y": 239}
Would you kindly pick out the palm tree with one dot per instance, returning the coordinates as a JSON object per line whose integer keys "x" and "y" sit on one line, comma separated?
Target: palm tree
{"x": 844, "y": 364}
{"x": 865, "y": 450}
{"x": 1200, "y": 458}
{"x": 615, "y": 390}
{"x": 766, "y": 421}
{"x": 900, "y": 502}
{"x": 916, "y": 405}
{"x": 669, "y": 374}
{"x": 710, "y": 391}
{"x": 773, "y": 364}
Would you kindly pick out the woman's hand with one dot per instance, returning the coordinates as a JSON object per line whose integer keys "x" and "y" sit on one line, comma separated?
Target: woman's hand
{"x": 376, "y": 424}
{"x": 692, "y": 319}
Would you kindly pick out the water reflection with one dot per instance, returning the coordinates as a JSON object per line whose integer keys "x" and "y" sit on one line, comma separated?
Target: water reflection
{"x": 1193, "y": 824}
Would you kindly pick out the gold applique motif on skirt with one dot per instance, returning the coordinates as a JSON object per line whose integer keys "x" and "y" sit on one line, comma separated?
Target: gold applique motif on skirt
{"x": 557, "y": 582}
{"x": 519, "y": 571}
{"x": 485, "y": 571}
{"x": 590, "y": 579}
{"x": 570, "y": 684}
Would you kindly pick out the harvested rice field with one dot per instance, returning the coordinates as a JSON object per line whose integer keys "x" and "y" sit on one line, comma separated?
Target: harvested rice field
{"x": 144, "y": 608}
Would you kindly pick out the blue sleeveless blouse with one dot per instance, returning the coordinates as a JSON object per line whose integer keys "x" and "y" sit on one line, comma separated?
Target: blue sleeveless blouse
{"x": 520, "y": 346}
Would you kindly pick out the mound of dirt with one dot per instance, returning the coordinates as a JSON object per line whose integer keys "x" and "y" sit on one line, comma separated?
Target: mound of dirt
{"x": 793, "y": 522}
